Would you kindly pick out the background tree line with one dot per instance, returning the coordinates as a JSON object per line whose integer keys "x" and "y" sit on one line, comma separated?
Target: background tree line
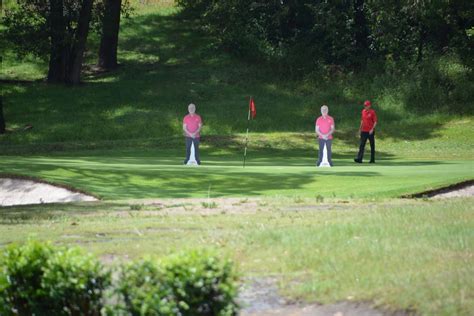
{"x": 57, "y": 30}
{"x": 303, "y": 35}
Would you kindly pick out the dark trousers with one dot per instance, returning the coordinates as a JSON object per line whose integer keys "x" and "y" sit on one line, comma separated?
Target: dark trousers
{"x": 189, "y": 142}
{"x": 328, "y": 144}
{"x": 363, "y": 140}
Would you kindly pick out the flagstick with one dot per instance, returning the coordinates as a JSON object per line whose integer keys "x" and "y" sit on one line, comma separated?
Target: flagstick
{"x": 247, "y": 136}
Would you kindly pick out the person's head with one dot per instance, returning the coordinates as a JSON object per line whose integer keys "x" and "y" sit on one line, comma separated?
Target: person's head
{"x": 367, "y": 104}
{"x": 191, "y": 108}
{"x": 324, "y": 110}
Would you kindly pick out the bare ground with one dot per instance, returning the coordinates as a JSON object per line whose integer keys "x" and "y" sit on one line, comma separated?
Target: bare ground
{"x": 259, "y": 297}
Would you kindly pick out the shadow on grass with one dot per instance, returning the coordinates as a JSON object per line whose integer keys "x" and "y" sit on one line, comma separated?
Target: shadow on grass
{"x": 129, "y": 177}
{"x": 167, "y": 64}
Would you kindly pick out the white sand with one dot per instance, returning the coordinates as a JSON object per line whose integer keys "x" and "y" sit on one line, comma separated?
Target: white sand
{"x": 20, "y": 192}
{"x": 464, "y": 192}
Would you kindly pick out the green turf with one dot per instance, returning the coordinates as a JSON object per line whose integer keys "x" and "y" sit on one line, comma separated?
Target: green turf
{"x": 399, "y": 254}
{"x": 159, "y": 173}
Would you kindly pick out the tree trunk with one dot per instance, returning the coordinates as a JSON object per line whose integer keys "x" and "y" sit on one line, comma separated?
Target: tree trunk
{"x": 361, "y": 32}
{"x": 421, "y": 42}
{"x": 58, "y": 55}
{"x": 2, "y": 118}
{"x": 110, "y": 34}
{"x": 79, "y": 44}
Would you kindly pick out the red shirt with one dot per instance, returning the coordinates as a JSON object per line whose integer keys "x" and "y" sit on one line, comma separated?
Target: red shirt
{"x": 369, "y": 118}
{"x": 324, "y": 125}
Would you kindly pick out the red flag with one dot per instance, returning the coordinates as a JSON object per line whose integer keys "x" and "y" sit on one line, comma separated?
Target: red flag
{"x": 252, "y": 108}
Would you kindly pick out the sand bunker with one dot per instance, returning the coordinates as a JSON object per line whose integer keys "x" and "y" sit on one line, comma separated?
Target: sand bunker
{"x": 464, "y": 192}
{"x": 21, "y": 192}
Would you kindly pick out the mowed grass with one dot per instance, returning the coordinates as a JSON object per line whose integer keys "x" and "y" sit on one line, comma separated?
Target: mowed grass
{"x": 399, "y": 254}
{"x": 166, "y": 63}
{"x": 126, "y": 174}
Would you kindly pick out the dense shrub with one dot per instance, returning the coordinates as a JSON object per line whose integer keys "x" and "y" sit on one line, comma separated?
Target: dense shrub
{"x": 21, "y": 277}
{"x": 75, "y": 282}
{"x": 346, "y": 33}
{"x": 142, "y": 292}
{"x": 196, "y": 283}
{"x": 38, "y": 279}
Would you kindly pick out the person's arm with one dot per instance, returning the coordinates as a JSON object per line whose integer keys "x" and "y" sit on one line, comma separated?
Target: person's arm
{"x": 333, "y": 128}
{"x": 318, "y": 132}
{"x": 186, "y": 132}
{"x": 375, "y": 123}
{"x": 199, "y": 129}
{"x": 372, "y": 130}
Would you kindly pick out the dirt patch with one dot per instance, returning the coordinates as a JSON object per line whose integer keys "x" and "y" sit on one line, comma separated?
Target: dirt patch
{"x": 259, "y": 297}
{"x": 26, "y": 191}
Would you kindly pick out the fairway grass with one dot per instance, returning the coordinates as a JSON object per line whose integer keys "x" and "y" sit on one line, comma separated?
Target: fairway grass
{"x": 135, "y": 174}
{"x": 399, "y": 254}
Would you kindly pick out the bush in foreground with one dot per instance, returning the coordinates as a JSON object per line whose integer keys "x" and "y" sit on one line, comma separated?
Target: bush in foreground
{"x": 37, "y": 279}
{"x": 195, "y": 283}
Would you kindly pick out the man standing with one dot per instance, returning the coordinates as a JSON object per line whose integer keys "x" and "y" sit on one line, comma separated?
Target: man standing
{"x": 324, "y": 127}
{"x": 367, "y": 131}
{"x": 192, "y": 125}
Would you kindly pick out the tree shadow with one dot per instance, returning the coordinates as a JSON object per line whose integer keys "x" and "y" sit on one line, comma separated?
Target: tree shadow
{"x": 167, "y": 64}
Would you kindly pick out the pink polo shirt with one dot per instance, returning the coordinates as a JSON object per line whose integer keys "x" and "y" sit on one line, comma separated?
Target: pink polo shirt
{"x": 324, "y": 125}
{"x": 192, "y": 123}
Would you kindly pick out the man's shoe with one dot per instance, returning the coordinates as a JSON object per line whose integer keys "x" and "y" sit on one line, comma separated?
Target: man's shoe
{"x": 357, "y": 160}
{"x": 372, "y": 161}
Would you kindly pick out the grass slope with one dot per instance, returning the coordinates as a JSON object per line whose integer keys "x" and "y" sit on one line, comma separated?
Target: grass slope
{"x": 166, "y": 64}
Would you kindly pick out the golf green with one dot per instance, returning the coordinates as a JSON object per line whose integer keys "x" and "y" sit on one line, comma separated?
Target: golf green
{"x": 132, "y": 174}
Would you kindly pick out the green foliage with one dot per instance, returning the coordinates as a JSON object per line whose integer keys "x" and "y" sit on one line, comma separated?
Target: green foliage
{"x": 21, "y": 278}
{"x": 75, "y": 282}
{"x": 136, "y": 207}
{"x": 38, "y": 279}
{"x": 27, "y": 24}
{"x": 307, "y": 34}
{"x": 441, "y": 84}
{"x": 26, "y": 28}
{"x": 142, "y": 291}
{"x": 209, "y": 204}
{"x": 195, "y": 283}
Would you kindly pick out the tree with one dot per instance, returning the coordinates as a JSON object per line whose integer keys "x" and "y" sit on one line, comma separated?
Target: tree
{"x": 110, "y": 34}
{"x": 51, "y": 29}
{"x": 361, "y": 32}
{"x": 57, "y": 29}
{"x": 2, "y": 118}
{"x": 79, "y": 43}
